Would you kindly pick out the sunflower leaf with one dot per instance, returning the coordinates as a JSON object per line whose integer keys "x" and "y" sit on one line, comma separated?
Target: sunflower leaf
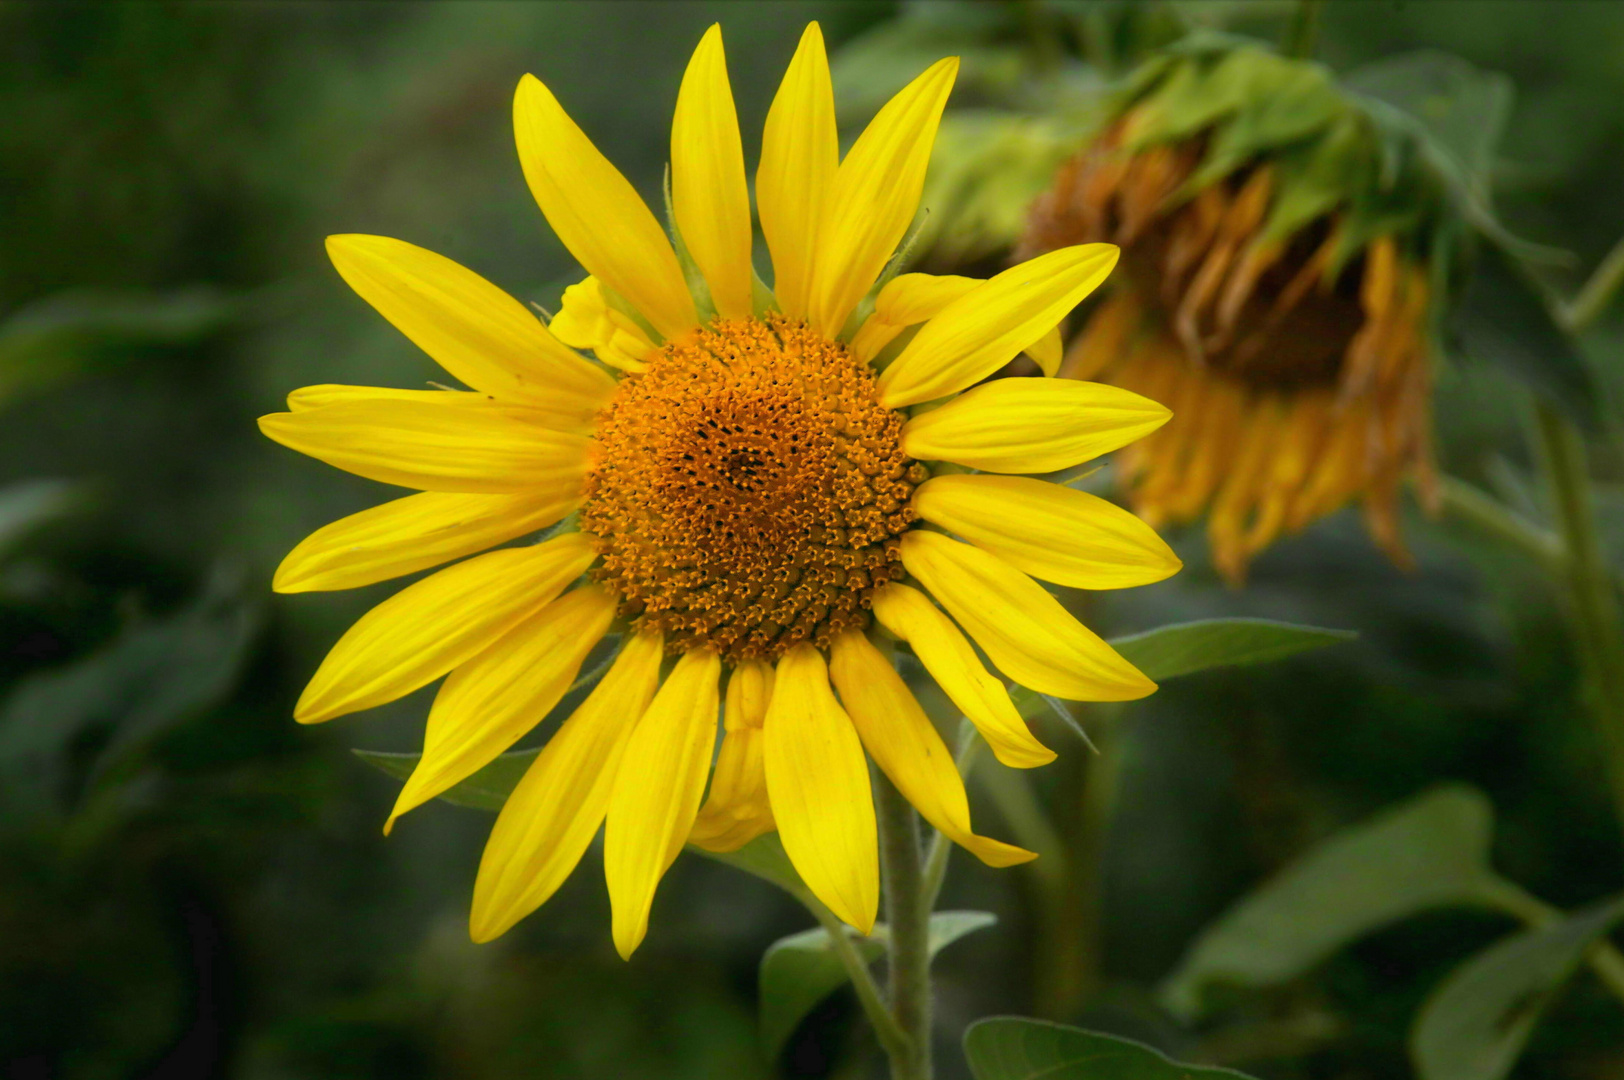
{"x": 487, "y": 789}
{"x": 799, "y": 971}
{"x": 1186, "y": 648}
{"x": 1015, "y": 1048}
{"x": 1475, "y": 1024}
{"x": 1430, "y": 852}
{"x": 1502, "y": 318}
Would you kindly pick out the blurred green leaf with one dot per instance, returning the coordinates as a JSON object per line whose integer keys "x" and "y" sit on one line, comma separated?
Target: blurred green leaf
{"x": 1015, "y": 1048}
{"x": 1429, "y": 852}
{"x": 487, "y": 789}
{"x": 797, "y": 972}
{"x": 802, "y": 969}
{"x": 1462, "y": 109}
{"x": 1186, "y": 648}
{"x": 59, "y": 336}
{"x": 1503, "y": 318}
{"x": 1475, "y": 1024}
{"x": 152, "y": 677}
{"x": 30, "y": 504}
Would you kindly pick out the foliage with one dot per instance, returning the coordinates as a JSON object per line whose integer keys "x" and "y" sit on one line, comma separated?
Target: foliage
{"x": 1014, "y": 1048}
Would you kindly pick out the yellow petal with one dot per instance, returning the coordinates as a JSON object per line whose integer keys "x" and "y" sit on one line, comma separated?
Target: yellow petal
{"x": 431, "y": 626}
{"x": 434, "y": 447}
{"x": 906, "y": 746}
{"x": 915, "y": 298}
{"x": 1050, "y": 531}
{"x": 596, "y": 213}
{"x": 488, "y": 703}
{"x": 737, "y": 809}
{"x": 1048, "y": 351}
{"x": 985, "y": 328}
{"x": 904, "y": 302}
{"x": 657, "y": 791}
{"x": 874, "y": 196}
{"x": 1031, "y": 425}
{"x": 818, "y": 780}
{"x": 412, "y": 534}
{"x": 1023, "y": 629}
{"x": 952, "y": 662}
{"x": 561, "y": 414}
{"x": 708, "y": 195}
{"x": 587, "y": 321}
{"x": 549, "y": 821}
{"x": 471, "y": 328}
{"x": 800, "y": 152}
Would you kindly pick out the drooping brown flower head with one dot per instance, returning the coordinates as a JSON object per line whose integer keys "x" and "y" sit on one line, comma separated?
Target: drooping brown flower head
{"x": 1274, "y": 292}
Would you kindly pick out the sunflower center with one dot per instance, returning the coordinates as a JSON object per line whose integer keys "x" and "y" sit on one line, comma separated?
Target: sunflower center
{"x": 748, "y": 490}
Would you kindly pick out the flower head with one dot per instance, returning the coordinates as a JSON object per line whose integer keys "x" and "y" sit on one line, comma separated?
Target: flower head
{"x": 1278, "y": 286}
{"x": 754, "y": 488}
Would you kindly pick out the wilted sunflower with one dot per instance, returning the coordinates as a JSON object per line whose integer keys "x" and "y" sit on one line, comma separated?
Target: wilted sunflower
{"x": 743, "y": 494}
{"x": 1277, "y": 274}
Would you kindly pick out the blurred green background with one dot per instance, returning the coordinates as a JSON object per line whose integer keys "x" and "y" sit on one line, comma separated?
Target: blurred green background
{"x": 193, "y": 886}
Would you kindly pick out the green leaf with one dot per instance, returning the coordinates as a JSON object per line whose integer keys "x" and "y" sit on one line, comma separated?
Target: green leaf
{"x": 797, "y": 972}
{"x": 801, "y": 970}
{"x": 487, "y": 789}
{"x": 1015, "y": 1048}
{"x": 152, "y": 677}
{"x": 1186, "y": 648}
{"x": 1429, "y": 852}
{"x": 1474, "y": 1026}
{"x": 1503, "y": 318}
{"x": 765, "y": 858}
{"x": 30, "y": 504}
{"x": 60, "y": 335}
{"x": 1462, "y": 109}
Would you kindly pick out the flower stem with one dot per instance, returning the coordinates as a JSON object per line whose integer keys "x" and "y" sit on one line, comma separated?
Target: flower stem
{"x": 1302, "y": 34}
{"x": 891, "y": 1037}
{"x": 909, "y": 920}
{"x": 1592, "y": 603}
{"x": 964, "y": 759}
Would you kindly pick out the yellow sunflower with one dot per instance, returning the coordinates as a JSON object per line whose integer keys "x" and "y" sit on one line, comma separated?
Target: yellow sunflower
{"x": 750, "y": 487}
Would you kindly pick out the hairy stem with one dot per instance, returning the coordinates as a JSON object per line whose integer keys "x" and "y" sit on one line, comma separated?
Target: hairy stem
{"x": 969, "y": 749}
{"x": 893, "y": 1040}
{"x": 909, "y": 918}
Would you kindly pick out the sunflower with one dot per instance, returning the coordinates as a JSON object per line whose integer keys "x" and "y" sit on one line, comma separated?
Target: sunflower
{"x": 753, "y": 489}
{"x": 1278, "y": 257}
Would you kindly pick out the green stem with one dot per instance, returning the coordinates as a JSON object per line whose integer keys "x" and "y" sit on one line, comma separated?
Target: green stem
{"x": 1303, "y": 32}
{"x": 1592, "y": 602}
{"x": 908, "y": 956}
{"x": 1489, "y": 516}
{"x": 891, "y": 1036}
{"x": 1606, "y": 961}
{"x": 969, "y": 749}
{"x": 1598, "y": 290}
{"x": 1101, "y": 783}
